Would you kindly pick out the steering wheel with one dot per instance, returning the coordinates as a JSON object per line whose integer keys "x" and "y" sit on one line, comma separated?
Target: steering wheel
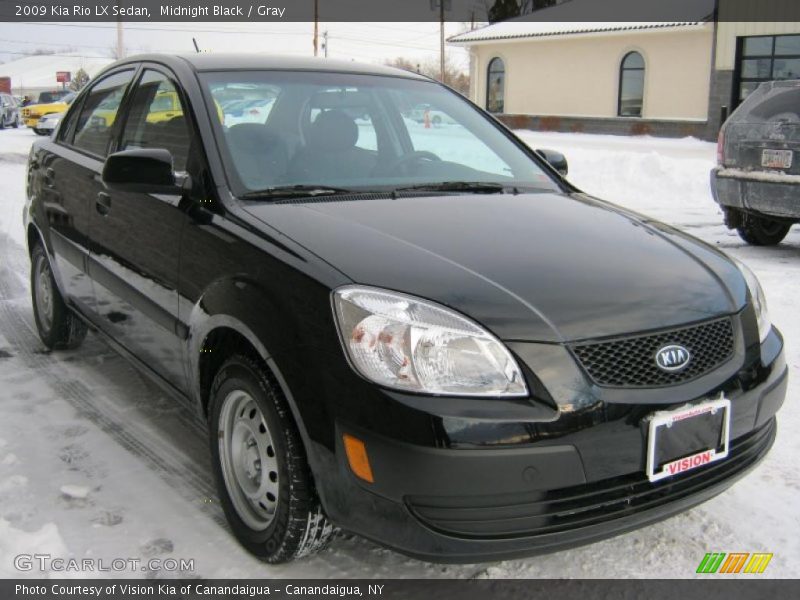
{"x": 410, "y": 157}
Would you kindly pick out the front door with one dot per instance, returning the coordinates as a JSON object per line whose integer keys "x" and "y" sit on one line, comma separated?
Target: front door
{"x": 136, "y": 238}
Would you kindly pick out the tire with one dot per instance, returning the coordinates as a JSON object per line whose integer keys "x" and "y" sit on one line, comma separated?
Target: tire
{"x": 16, "y": 123}
{"x": 39, "y": 131}
{"x": 260, "y": 466}
{"x": 59, "y": 328}
{"x": 761, "y": 231}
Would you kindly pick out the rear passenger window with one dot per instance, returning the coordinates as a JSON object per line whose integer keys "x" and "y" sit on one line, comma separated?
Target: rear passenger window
{"x": 157, "y": 120}
{"x": 95, "y": 124}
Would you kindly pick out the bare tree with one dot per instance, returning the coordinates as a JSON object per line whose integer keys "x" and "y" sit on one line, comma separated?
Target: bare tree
{"x": 79, "y": 79}
{"x": 453, "y": 75}
{"x": 500, "y": 10}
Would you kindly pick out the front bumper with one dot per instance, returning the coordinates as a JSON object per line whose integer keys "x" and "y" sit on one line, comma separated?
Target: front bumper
{"x": 764, "y": 193}
{"x": 31, "y": 122}
{"x": 576, "y": 478}
{"x": 44, "y": 125}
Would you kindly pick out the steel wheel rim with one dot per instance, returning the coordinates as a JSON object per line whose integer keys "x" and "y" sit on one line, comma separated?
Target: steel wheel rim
{"x": 248, "y": 461}
{"x": 44, "y": 294}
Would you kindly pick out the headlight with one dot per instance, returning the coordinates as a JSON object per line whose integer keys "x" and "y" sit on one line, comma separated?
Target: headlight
{"x": 759, "y": 300}
{"x": 411, "y": 344}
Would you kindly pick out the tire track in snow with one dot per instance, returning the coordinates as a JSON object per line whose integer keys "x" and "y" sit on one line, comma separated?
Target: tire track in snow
{"x": 191, "y": 477}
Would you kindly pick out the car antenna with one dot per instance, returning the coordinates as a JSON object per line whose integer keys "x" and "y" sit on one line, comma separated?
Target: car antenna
{"x": 196, "y": 47}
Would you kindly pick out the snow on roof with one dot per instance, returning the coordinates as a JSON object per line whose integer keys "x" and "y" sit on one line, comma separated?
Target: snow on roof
{"x": 507, "y": 30}
{"x": 39, "y": 71}
{"x": 570, "y": 17}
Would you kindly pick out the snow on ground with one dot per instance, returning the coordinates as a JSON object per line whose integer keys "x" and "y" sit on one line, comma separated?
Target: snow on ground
{"x": 97, "y": 462}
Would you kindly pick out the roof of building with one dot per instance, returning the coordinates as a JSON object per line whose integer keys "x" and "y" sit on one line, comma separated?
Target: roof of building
{"x": 508, "y": 30}
{"x": 589, "y": 16}
{"x": 33, "y": 72}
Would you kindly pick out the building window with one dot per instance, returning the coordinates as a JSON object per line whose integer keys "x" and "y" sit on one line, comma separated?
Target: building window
{"x": 495, "y": 86}
{"x": 631, "y": 86}
{"x": 765, "y": 58}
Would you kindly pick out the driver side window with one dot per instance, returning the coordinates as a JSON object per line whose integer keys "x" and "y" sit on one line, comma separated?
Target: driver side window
{"x": 157, "y": 119}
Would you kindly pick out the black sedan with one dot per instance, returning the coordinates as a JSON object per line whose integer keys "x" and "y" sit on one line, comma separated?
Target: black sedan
{"x": 757, "y": 180}
{"x": 425, "y": 336}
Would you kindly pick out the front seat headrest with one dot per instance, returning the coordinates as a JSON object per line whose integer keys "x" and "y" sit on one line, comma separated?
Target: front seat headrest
{"x": 332, "y": 131}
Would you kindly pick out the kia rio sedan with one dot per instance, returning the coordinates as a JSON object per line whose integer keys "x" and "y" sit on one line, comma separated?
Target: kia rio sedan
{"x": 425, "y": 336}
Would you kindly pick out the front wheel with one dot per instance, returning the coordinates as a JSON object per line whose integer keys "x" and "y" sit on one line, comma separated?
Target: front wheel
{"x": 40, "y": 131}
{"x": 59, "y": 328}
{"x": 259, "y": 462}
{"x": 761, "y": 231}
{"x": 16, "y": 122}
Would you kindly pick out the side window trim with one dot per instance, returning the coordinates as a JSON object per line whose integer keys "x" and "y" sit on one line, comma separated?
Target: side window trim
{"x": 129, "y": 97}
{"x": 131, "y": 93}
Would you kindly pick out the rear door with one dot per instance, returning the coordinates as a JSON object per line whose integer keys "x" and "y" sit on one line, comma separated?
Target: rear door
{"x": 136, "y": 236}
{"x": 71, "y": 169}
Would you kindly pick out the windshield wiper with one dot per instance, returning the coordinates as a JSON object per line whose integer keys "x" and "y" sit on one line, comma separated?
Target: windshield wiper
{"x": 294, "y": 191}
{"x": 477, "y": 187}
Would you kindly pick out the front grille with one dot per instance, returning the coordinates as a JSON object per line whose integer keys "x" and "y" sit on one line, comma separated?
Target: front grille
{"x": 26, "y": 112}
{"x": 630, "y": 361}
{"x": 537, "y": 513}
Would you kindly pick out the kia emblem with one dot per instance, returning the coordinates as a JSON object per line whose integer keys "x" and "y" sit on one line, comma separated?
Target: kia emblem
{"x": 672, "y": 358}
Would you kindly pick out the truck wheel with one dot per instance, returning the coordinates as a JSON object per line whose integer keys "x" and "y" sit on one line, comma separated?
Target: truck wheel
{"x": 761, "y": 231}
{"x": 59, "y": 328}
{"x": 16, "y": 123}
{"x": 260, "y": 466}
{"x": 39, "y": 131}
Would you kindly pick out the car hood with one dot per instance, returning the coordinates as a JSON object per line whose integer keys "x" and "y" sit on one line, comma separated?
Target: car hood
{"x": 537, "y": 267}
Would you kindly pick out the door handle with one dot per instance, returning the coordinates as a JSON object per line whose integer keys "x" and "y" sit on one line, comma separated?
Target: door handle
{"x": 102, "y": 203}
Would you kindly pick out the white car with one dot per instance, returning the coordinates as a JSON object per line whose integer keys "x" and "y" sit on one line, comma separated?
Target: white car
{"x": 48, "y": 123}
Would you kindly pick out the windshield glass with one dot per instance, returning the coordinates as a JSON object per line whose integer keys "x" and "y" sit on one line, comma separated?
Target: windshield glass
{"x": 358, "y": 132}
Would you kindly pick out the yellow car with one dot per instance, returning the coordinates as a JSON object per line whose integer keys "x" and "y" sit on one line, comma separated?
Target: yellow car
{"x": 33, "y": 112}
{"x": 165, "y": 106}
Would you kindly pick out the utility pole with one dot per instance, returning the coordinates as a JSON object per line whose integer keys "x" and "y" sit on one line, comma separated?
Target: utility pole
{"x": 316, "y": 27}
{"x": 325, "y": 42}
{"x": 120, "y": 39}
{"x": 441, "y": 41}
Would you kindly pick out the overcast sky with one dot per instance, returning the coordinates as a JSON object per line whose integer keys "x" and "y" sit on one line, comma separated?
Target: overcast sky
{"x": 370, "y": 42}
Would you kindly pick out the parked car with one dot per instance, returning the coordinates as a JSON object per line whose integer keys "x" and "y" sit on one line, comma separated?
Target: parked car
{"x": 9, "y": 111}
{"x": 757, "y": 178}
{"x": 48, "y": 123}
{"x": 33, "y": 112}
{"x": 436, "y": 117}
{"x": 460, "y": 363}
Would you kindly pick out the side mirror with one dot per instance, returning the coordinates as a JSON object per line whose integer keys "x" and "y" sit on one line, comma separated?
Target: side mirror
{"x": 145, "y": 170}
{"x": 556, "y": 160}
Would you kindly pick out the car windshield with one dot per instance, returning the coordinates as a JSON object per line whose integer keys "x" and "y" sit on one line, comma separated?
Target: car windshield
{"x": 315, "y": 132}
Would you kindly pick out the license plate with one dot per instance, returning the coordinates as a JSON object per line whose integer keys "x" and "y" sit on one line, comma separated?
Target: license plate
{"x": 776, "y": 159}
{"x": 688, "y": 438}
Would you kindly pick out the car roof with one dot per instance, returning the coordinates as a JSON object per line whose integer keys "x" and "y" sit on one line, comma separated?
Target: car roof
{"x": 253, "y": 61}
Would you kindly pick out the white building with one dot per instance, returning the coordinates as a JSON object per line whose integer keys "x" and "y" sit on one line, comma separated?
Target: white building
{"x": 661, "y": 78}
